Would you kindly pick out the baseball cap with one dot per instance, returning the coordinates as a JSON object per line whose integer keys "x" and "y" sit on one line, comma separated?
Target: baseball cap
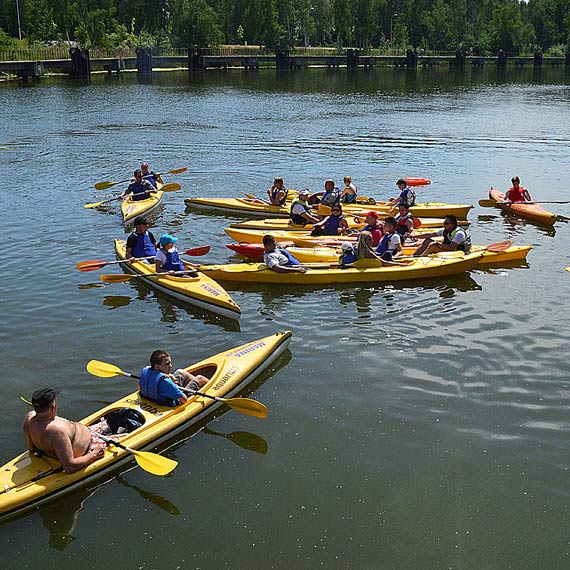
{"x": 372, "y": 213}
{"x": 43, "y": 398}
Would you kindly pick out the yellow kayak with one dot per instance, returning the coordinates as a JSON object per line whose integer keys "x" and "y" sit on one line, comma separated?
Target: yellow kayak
{"x": 332, "y": 254}
{"x": 28, "y": 481}
{"x": 249, "y": 207}
{"x": 354, "y": 223}
{"x": 419, "y": 268}
{"x": 201, "y": 291}
{"x": 299, "y": 238}
{"x": 133, "y": 208}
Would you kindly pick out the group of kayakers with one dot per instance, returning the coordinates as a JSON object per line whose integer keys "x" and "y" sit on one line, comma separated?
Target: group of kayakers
{"x": 143, "y": 184}
{"x": 75, "y": 446}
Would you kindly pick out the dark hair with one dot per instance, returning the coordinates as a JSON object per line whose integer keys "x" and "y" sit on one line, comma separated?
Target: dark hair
{"x": 279, "y": 179}
{"x": 157, "y": 357}
{"x": 390, "y": 220}
{"x": 452, "y": 219}
{"x": 401, "y": 181}
{"x": 267, "y": 239}
{"x": 137, "y": 172}
{"x": 336, "y": 206}
{"x": 515, "y": 179}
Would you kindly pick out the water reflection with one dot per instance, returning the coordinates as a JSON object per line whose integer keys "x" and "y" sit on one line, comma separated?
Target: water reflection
{"x": 244, "y": 439}
{"x": 116, "y": 301}
{"x": 153, "y": 498}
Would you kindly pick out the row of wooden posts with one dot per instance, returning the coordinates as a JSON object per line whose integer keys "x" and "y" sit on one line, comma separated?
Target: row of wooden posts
{"x": 198, "y": 59}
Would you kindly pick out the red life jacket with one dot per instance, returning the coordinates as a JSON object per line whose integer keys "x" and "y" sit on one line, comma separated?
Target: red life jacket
{"x": 517, "y": 195}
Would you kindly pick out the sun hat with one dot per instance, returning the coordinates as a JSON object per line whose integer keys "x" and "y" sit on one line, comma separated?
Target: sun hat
{"x": 167, "y": 238}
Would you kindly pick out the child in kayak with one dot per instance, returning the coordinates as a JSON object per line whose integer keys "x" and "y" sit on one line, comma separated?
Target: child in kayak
{"x": 332, "y": 225}
{"x": 167, "y": 259}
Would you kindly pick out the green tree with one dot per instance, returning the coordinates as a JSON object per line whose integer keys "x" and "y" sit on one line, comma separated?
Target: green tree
{"x": 195, "y": 23}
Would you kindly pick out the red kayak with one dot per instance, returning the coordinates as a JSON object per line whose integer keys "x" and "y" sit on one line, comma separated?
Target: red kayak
{"x": 417, "y": 181}
{"x": 252, "y": 251}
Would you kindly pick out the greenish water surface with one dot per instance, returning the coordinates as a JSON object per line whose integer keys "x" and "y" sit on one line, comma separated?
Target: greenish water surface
{"x": 414, "y": 426}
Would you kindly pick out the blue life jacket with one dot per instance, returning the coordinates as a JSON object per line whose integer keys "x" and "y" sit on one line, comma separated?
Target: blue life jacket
{"x": 383, "y": 245}
{"x": 296, "y": 218}
{"x": 173, "y": 261}
{"x": 332, "y": 225}
{"x": 151, "y": 177}
{"x": 276, "y": 191}
{"x": 149, "y": 385}
{"x": 144, "y": 247}
{"x": 348, "y": 256}
{"x": 138, "y": 192}
{"x": 292, "y": 259}
{"x": 408, "y": 197}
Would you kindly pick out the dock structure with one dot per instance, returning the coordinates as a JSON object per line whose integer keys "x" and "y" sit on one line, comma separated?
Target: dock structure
{"x": 80, "y": 64}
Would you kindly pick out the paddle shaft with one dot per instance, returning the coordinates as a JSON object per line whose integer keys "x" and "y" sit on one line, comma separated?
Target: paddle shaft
{"x": 490, "y": 203}
{"x": 108, "y": 184}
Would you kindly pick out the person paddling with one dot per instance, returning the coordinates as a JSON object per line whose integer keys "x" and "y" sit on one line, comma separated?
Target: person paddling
{"x": 158, "y": 385}
{"x": 167, "y": 258}
{"x": 141, "y": 243}
{"x": 454, "y": 238}
{"x": 153, "y": 177}
{"x": 279, "y": 259}
{"x": 140, "y": 189}
{"x": 516, "y": 193}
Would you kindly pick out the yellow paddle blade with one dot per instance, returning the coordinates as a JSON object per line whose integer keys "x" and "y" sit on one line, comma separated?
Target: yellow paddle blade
{"x": 323, "y": 210}
{"x": 105, "y": 185}
{"x": 172, "y": 187}
{"x": 177, "y": 170}
{"x": 487, "y": 203}
{"x": 247, "y": 406}
{"x": 115, "y": 277}
{"x": 96, "y": 204}
{"x": 103, "y": 369}
{"x": 154, "y": 463}
{"x": 26, "y": 401}
{"x": 250, "y": 196}
{"x": 567, "y": 268}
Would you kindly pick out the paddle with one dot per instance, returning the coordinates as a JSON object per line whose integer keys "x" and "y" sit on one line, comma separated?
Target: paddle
{"x": 567, "y": 268}
{"x": 122, "y": 277}
{"x": 172, "y": 187}
{"x": 108, "y": 184}
{"x": 94, "y": 264}
{"x": 243, "y": 405}
{"x": 491, "y": 203}
{"x": 151, "y": 462}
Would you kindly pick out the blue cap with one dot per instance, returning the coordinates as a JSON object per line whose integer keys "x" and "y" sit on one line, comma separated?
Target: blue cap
{"x": 167, "y": 238}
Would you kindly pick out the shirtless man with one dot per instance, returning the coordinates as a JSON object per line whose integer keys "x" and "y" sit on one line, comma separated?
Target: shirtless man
{"x": 68, "y": 442}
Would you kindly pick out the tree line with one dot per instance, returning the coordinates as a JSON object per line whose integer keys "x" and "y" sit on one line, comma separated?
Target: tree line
{"x": 477, "y": 26}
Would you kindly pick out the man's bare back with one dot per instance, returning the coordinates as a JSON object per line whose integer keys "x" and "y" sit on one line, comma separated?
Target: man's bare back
{"x": 68, "y": 442}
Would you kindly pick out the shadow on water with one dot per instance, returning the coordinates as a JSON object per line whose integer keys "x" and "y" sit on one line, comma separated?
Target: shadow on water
{"x": 116, "y": 301}
{"x": 61, "y": 517}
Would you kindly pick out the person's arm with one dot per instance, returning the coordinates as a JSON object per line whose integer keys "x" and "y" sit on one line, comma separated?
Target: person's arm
{"x": 148, "y": 187}
{"x": 309, "y": 218}
{"x": 321, "y": 223}
{"x": 127, "y": 191}
{"x": 526, "y": 194}
{"x": 393, "y": 202}
{"x": 288, "y": 268}
{"x": 344, "y": 226}
{"x": 26, "y": 427}
{"x": 158, "y": 261}
{"x": 131, "y": 243}
{"x": 63, "y": 450}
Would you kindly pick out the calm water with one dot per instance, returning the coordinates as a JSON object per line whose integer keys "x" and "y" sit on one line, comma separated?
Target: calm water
{"x": 415, "y": 426}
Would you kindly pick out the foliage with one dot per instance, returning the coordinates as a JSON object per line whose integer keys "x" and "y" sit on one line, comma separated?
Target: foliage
{"x": 477, "y": 26}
